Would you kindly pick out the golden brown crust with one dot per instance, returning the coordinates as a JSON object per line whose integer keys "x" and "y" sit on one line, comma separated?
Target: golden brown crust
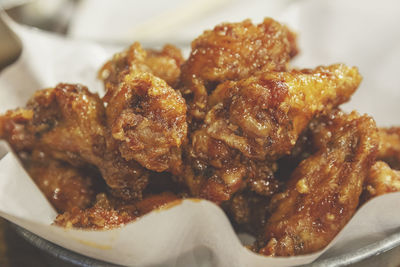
{"x": 108, "y": 213}
{"x": 256, "y": 121}
{"x": 389, "y": 146}
{"x": 68, "y": 123}
{"x": 102, "y": 215}
{"x": 381, "y": 180}
{"x": 147, "y": 119}
{"x": 262, "y": 116}
{"x": 232, "y": 51}
{"x": 215, "y": 171}
{"x": 164, "y": 64}
{"x": 323, "y": 191}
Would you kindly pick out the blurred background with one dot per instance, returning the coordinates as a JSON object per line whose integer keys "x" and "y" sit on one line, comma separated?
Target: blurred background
{"x": 152, "y": 22}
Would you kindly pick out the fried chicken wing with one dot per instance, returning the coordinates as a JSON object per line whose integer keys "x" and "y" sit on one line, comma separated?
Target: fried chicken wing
{"x": 164, "y": 64}
{"x": 232, "y": 51}
{"x": 68, "y": 123}
{"x": 148, "y": 121}
{"x": 262, "y": 116}
{"x": 323, "y": 191}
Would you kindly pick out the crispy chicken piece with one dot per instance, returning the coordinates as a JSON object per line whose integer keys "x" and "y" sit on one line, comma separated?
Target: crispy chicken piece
{"x": 148, "y": 121}
{"x": 164, "y": 64}
{"x": 108, "y": 213}
{"x": 66, "y": 187}
{"x": 214, "y": 171}
{"x": 232, "y": 51}
{"x": 389, "y": 146}
{"x": 68, "y": 123}
{"x": 323, "y": 192}
{"x": 262, "y": 116}
{"x": 256, "y": 121}
{"x": 381, "y": 180}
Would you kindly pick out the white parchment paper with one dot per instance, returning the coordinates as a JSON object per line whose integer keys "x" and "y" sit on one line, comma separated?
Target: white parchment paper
{"x": 197, "y": 233}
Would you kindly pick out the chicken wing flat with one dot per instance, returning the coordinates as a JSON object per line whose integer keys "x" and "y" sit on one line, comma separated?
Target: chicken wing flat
{"x": 66, "y": 187}
{"x": 147, "y": 119}
{"x": 68, "y": 123}
{"x": 232, "y": 51}
{"x": 164, "y": 64}
{"x": 323, "y": 192}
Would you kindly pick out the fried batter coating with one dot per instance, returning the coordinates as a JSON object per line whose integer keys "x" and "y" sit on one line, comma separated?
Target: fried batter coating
{"x": 65, "y": 186}
{"x": 68, "y": 123}
{"x": 381, "y": 180}
{"x": 384, "y": 175}
{"x": 232, "y": 51}
{"x": 108, "y": 213}
{"x": 262, "y": 116}
{"x": 389, "y": 146}
{"x": 254, "y": 122}
{"x": 148, "y": 120}
{"x": 323, "y": 191}
{"x": 102, "y": 215}
{"x": 214, "y": 171}
{"x": 164, "y": 64}
{"x": 12, "y": 129}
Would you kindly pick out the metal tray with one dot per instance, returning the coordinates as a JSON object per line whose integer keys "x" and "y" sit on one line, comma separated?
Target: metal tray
{"x": 352, "y": 257}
